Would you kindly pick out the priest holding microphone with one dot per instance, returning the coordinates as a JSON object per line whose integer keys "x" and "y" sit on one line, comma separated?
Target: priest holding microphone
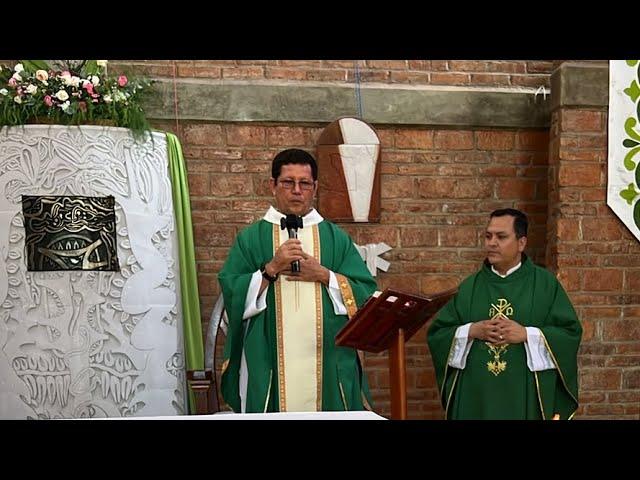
{"x": 290, "y": 283}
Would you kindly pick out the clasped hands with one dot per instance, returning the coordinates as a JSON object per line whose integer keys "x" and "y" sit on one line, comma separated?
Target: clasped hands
{"x": 310, "y": 268}
{"x": 498, "y": 330}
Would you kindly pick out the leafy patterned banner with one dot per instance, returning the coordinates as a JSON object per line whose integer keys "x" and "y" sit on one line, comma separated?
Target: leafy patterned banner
{"x": 623, "y": 189}
{"x": 89, "y": 343}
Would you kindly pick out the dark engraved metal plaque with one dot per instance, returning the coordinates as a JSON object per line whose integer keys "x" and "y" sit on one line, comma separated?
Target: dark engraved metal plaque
{"x": 70, "y": 233}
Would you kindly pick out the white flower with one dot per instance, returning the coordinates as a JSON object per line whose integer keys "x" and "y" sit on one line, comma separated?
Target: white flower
{"x": 31, "y": 89}
{"x": 17, "y": 77}
{"x": 42, "y": 75}
{"x": 101, "y": 63}
{"x": 74, "y": 81}
{"x": 4, "y": 91}
{"x": 64, "y": 106}
{"x": 17, "y": 99}
{"x": 95, "y": 80}
{"x": 18, "y": 68}
{"x": 107, "y": 98}
{"x": 62, "y": 95}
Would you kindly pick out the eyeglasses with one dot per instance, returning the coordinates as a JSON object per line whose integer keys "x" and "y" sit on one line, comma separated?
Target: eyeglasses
{"x": 290, "y": 184}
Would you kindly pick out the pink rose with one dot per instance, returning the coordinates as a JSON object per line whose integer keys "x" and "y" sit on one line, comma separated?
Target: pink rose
{"x": 12, "y": 82}
{"x": 88, "y": 86}
{"x": 122, "y": 80}
{"x": 47, "y": 100}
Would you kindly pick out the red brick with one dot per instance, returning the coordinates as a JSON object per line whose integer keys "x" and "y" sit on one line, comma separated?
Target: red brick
{"x": 301, "y": 63}
{"x": 454, "y": 188}
{"x": 410, "y": 77}
{"x": 593, "y": 195}
{"x": 532, "y": 140}
{"x": 532, "y": 81}
{"x": 570, "y": 279}
{"x": 397, "y": 187}
{"x": 600, "y": 229}
{"x": 199, "y": 183}
{"x": 203, "y": 134}
{"x": 437, "y": 283}
{"x": 490, "y": 79}
{"x": 387, "y": 64}
{"x": 369, "y": 75}
{"x": 416, "y": 139}
{"x": 419, "y": 237}
{"x": 584, "y": 141}
{"x": 603, "y": 279}
{"x": 327, "y": 75}
{"x": 245, "y": 135}
{"x": 568, "y": 229}
{"x": 581, "y": 120}
{"x": 622, "y": 330}
{"x": 458, "y": 237}
{"x": 420, "y": 65}
{"x": 338, "y": 63}
{"x": 213, "y": 235}
{"x": 631, "y": 379}
{"x": 377, "y": 234}
{"x": 285, "y": 73}
{"x": 495, "y": 140}
{"x": 601, "y": 379}
{"x": 540, "y": 66}
{"x": 243, "y": 72}
{"x": 439, "y": 65}
{"x": 450, "y": 78}
{"x": 230, "y": 185}
{"x": 516, "y": 188}
{"x": 453, "y": 140}
{"x": 286, "y": 136}
{"x": 585, "y": 175}
{"x": 624, "y": 397}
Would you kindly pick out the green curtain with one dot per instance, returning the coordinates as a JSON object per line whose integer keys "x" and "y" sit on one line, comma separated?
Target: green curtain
{"x": 192, "y": 326}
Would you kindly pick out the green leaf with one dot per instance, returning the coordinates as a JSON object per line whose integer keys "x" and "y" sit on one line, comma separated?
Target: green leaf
{"x": 633, "y": 91}
{"x": 629, "y": 193}
{"x": 628, "y": 128}
{"x": 91, "y": 67}
{"x": 628, "y": 163}
{"x": 32, "y": 65}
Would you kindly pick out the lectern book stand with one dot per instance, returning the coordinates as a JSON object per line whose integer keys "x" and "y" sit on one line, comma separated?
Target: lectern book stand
{"x": 385, "y": 322}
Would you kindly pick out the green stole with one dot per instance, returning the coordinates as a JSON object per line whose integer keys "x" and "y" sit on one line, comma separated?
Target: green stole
{"x": 341, "y": 383}
{"x": 498, "y": 384}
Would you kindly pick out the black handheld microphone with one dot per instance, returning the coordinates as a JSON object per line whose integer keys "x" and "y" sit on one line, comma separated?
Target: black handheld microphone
{"x": 292, "y": 222}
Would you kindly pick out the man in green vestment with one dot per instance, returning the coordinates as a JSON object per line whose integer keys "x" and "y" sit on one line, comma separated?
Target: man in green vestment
{"x": 280, "y": 353}
{"x": 505, "y": 346}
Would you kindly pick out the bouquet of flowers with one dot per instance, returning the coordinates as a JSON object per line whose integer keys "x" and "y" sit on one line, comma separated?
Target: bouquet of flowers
{"x": 71, "y": 92}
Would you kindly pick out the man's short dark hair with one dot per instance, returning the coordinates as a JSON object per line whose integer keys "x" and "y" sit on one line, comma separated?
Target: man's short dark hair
{"x": 520, "y": 222}
{"x": 296, "y": 156}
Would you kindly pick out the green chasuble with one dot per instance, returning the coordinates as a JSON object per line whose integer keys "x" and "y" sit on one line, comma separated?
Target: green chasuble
{"x": 341, "y": 383}
{"x": 496, "y": 383}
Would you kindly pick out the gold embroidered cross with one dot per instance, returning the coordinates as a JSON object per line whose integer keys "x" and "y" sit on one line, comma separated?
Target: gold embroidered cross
{"x": 502, "y": 309}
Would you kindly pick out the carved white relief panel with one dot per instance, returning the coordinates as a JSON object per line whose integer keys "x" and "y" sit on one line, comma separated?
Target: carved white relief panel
{"x": 90, "y": 343}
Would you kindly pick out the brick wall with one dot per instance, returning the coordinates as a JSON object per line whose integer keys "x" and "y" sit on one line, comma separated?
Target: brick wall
{"x": 500, "y": 73}
{"x": 596, "y": 258}
{"x": 438, "y": 187}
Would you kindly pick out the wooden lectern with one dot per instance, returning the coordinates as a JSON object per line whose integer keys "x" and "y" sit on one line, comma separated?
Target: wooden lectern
{"x": 387, "y": 322}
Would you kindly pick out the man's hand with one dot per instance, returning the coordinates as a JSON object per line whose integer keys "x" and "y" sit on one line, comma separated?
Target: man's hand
{"x": 310, "y": 271}
{"x": 486, "y": 330}
{"x": 511, "y": 331}
{"x": 288, "y": 252}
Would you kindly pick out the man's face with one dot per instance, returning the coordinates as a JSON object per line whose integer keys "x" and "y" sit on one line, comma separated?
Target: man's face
{"x": 294, "y": 189}
{"x": 504, "y": 250}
